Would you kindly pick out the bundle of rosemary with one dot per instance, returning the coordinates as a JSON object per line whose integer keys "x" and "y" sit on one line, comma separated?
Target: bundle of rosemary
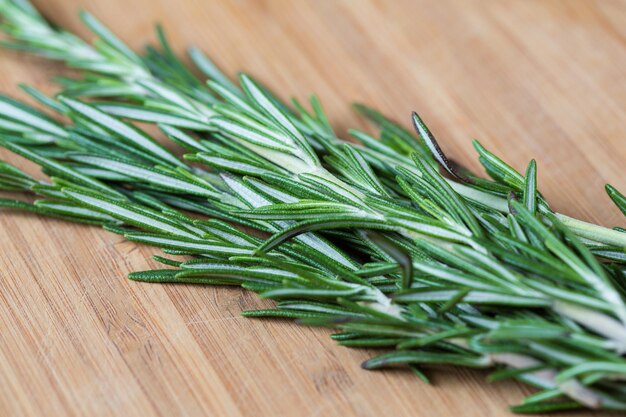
{"x": 366, "y": 236}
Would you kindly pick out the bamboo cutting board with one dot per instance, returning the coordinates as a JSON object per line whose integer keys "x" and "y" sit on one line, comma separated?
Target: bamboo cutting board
{"x": 542, "y": 79}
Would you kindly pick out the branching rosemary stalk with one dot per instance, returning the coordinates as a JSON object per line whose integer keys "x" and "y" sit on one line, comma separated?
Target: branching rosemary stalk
{"x": 367, "y": 237}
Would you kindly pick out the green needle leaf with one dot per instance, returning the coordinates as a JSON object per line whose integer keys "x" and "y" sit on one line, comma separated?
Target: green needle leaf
{"x": 530, "y": 187}
{"x": 617, "y": 197}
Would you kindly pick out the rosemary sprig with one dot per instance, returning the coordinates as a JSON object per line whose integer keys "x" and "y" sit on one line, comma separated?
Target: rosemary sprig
{"x": 368, "y": 238}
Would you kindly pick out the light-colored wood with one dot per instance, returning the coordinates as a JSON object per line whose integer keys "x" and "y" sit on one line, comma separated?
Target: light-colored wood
{"x": 542, "y": 79}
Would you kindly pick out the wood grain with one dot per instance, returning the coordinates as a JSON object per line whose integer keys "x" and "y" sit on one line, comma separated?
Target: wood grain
{"x": 531, "y": 79}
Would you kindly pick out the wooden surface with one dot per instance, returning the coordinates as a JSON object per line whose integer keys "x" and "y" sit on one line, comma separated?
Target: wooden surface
{"x": 542, "y": 79}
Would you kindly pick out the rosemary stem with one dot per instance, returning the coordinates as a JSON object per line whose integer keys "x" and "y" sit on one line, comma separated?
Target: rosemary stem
{"x": 481, "y": 197}
{"x": 598, "y": 322}
{"x": 581, "y": 228}
{"x": 593, "y": 231}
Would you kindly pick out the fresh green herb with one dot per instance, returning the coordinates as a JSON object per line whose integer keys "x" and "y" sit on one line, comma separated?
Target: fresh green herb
{"x": 368, "y": 238}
